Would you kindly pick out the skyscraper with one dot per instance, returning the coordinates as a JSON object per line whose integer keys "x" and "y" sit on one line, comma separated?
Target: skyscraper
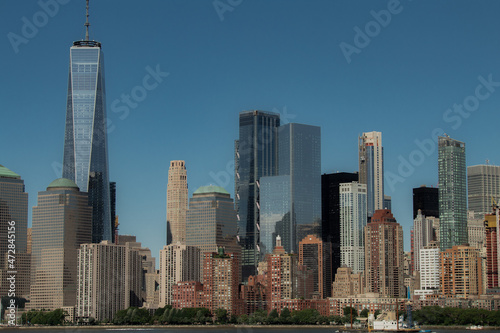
{"x": 330, "y": 211}
{"x": 384, "y": 255}
{"x": 61, "y": 222}
{"x": 211, "y": 221}
{"x": 352, "y": 224}
{"x": 483, "y": 184}
{"x": 371, "y": 169}
{"x": 14, "y": 207}
{"x": 177, "y": 202}
{"x": 85, "y": 159}
{"x": 256, "y": 155}
{"x": 314, "y": 254}
{"x": 427, "y": 200}
{"x": 423, "y": 234}
{"x": 452, "y": 193}
{"x": 290, "y": 203}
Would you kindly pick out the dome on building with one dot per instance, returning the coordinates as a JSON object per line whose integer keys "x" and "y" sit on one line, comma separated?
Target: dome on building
{"x": 63, "y": 183}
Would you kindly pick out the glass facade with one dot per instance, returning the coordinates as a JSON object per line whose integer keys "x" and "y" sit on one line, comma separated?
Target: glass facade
{"x": 291, "y": 202}
{"x": 483, "y": 183}
{"x": 85, "y": 158}
{"x": 427, "y": 200}
{"x": 330, "y": 211}
{"x": 256, "y": 156}
{"x": 276, "y": 214}
{"x": 452, "y": 193}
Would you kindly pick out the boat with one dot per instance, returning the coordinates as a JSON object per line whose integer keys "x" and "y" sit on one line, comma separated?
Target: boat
{"x": 474, "y": 327}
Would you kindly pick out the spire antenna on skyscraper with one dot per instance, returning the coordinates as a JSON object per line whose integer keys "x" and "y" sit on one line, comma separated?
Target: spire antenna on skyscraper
{"x": 87, "y": 24}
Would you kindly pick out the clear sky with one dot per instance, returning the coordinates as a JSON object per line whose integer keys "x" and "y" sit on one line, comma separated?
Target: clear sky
{"x": 347, "y": 66}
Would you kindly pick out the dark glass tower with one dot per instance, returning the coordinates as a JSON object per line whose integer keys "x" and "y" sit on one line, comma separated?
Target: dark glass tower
{"x": 290, "y": 203}
{"x": 85, "y": 158}
{"x": 330, "y": 211}
{"x": 427, "y": 200}
{"x": 256, "y": 155}
{"x": 452, "y": 193}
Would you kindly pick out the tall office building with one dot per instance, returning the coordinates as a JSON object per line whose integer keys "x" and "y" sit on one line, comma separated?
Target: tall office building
{"x": 290, "y": 203}
{"x": 177, "y": 202}
{"x": 85, "y": 159}
{"x": 61, "y": 222}
{"x": 427, "y": 200}
{"x": 384, "y": 255}
{"x": 330, "y": 211}
{"x": 314, "y": 254}
{"x": 13, "y": 207}
{"x": 352, "y": 224}
{"x": 371, "y": 169}
{"x": 256, "y": 156}
{"x": 423, "y": 234}
{"x": 178, "y": 262}
{"x": 452, "y": 193}
{"x": 483, "y": 184}
{"x": 211, "y": 221}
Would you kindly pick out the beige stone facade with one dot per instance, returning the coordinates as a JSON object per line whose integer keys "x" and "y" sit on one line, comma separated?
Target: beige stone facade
{"x": 177, "y": 202}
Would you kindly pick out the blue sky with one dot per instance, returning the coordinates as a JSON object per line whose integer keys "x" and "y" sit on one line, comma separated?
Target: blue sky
{"x": 401, "y": 76}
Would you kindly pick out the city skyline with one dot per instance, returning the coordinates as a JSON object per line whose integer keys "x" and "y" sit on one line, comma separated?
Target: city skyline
{"x": 413, "y": 84}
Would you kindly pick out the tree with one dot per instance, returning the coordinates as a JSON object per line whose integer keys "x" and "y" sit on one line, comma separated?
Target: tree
{"x": 273, "y": 317}
{"x": 285, "y": 316}
{"x": 221, "y": 316}
{"x": 364, "y": 313}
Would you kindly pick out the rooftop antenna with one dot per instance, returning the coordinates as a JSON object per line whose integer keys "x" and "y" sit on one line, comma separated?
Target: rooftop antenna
{"x": 87, "y": 24}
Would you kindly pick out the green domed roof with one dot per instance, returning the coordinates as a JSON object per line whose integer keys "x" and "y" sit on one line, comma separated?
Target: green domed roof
{"x": 63, "y": 182}
{"x": 211, "y": 189}
{"x": 4, "y": 172}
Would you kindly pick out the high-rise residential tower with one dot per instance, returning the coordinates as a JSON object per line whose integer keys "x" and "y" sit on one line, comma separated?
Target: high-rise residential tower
{"x": 483, "y": 184}
{"x": 330, "y": 211}
{"x": 178, "y": 262}
{"x": 423, "y": 234}
{"x": 314, "y": 254}
{"x": 85, "y": 159}
{"x": 371, "y": 169}
{"x": 384, "y": 255}
{"x": 61, "y": 222}
{"x": 352, "y": 224}
{"x": 256, "y": 155}
{"x": 290, "y": 203}
{"x": 177, "y": 202}
{"x": 452, "y": 193}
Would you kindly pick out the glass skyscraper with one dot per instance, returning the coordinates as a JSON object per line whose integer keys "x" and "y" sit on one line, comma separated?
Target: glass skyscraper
{"x": 452, "y": 193}
{"x": 291, "y": 202}
{"x": 256, "y": 155}
{"x": 85, "y": 141}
